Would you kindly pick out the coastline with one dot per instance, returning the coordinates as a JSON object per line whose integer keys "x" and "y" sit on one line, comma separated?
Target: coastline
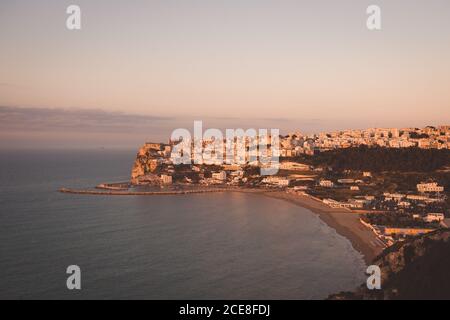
{"x": 345, "y": 223}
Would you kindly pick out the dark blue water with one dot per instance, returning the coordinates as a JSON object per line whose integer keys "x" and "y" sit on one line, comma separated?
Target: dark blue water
{"x": 216, "y": 246}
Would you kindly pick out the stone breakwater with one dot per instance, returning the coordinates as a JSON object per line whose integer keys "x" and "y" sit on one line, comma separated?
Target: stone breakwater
{"x": 114, "y": 186}
{"x": 114, "y": 192}
{"x": 137, "y": 193}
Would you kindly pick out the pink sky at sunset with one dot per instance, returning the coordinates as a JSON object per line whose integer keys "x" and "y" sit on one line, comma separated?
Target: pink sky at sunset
{"x": 308, "y": 65}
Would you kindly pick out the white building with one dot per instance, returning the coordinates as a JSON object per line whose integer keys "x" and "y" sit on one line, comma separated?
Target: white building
{"x": 279, "y": 181}
{"x": 326, "y": 183}
{"x": 332, "y": 203}
{"x": 301, "y": 188}
{"x": 222, "y": 175}
{"x": 393, "y": 196}
{"x": 337, "y": 204}
{"x": 417, "y": 197}
{"x": 358, "y": 203}
{"x": 429, "y": 187}
{"x": 434, "y": 217}
{"x": 165, "y": 179}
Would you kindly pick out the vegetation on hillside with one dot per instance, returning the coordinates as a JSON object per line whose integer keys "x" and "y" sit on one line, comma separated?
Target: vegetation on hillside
{"x": 412, "y": 270}
{"x": 378, "y": 159}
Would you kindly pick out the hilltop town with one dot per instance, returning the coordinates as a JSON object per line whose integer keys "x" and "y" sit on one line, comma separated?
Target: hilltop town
{"x": 425, "y": 138}
{"x": 398, "y": 182}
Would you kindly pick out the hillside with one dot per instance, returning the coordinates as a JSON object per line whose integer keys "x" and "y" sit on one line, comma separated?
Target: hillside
{"x": 416, "y": 269}
{"x": 379, "y": 159}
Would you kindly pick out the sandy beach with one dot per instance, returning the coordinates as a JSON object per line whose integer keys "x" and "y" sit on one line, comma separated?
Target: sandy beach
{"x": 344, "y": 222}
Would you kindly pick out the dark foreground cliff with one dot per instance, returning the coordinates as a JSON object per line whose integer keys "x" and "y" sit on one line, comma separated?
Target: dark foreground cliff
{"x": 416, "y": 269}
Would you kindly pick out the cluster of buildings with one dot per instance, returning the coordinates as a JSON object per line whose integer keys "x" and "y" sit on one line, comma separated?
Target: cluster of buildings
{"x": 240, "y": 150}
{"x": 276, "y": 181}
{"x": 155, "y": 165}
{"x": 422, "y": 211}
{"x": 351, "y": 184}
{"x": 415, "y": 208}
{"x": 409, "y": 203}
{"x": 427, "y": 138}
{"x": 425, "y": 207}
{"x": 242, "y": 154}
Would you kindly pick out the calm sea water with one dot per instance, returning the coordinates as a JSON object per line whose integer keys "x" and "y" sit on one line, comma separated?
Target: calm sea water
{"x": 216, "y": 246}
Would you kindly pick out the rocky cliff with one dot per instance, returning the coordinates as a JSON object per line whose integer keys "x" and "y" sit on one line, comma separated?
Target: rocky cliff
{"x": 415, "y": 269}
{"x": 146, "y": 164}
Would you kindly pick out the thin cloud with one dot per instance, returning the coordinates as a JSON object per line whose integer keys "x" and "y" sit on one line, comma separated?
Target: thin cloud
{"x": 11, "y": 85}
{"x": 46, "y": 119}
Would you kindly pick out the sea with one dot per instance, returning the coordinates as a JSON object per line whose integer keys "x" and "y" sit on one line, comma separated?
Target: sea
{"x": 205, "y": 246}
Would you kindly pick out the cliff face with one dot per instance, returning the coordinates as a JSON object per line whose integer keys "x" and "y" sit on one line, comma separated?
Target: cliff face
{"x": 146, "y": 164}
{"x": 416, "y": 269}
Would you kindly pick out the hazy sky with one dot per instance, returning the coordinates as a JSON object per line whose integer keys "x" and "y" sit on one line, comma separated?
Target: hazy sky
{"x": 307, "y": 65}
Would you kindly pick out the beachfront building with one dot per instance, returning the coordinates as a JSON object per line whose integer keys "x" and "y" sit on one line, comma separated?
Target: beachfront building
{"x": 277, "y": 181}
{"x": 331, "y": 203}
{"x": 337, "y": 204}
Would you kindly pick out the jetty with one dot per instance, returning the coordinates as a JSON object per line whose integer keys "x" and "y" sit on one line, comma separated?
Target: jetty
{"x": 122, "y": 189}
{"x": 138, "y": 193}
